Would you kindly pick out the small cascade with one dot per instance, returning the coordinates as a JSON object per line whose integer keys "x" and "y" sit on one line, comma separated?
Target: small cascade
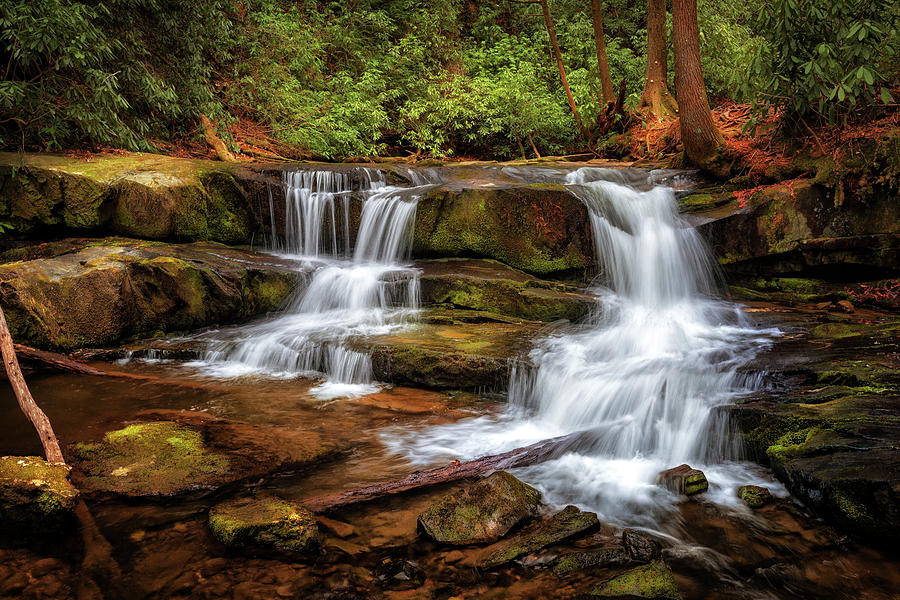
{"x": 349, "y": 290}
{"x": 639, "y": 378}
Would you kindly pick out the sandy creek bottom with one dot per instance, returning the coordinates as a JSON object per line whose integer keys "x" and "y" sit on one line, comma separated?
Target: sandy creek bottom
{"x": 166, "y": 550}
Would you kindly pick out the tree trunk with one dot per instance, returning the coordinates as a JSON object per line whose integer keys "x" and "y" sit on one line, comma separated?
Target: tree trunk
{"x": 548, "y": 22}
{"x": 699, "y": 135}
{"x": 656, "y": 97}
{"x": 455, "y": 471}
{"x": 606, "y": 86}
{"x": 214, "y": 141}
{"x": 26, "y": 402}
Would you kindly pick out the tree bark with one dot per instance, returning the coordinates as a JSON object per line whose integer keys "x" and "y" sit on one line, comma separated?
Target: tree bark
{"x": 548, "y": 22}
{"x": 26, "y": 402}
{"x": 214, "y": 141}
{"x": 699, "y": 135}
{"x": 656, "y": 98}
{"x": 606, "y": 86}
{"x": 455, "y": 471}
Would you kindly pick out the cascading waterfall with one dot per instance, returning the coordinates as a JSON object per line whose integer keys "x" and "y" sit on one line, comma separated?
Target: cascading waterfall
{"x": 639, "y": 377}
{"x": 352, "y": 291}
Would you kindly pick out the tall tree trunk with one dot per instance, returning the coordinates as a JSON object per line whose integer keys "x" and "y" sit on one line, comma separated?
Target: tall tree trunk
{"x": 699, "y": 135}
{"x": 548, "y": 22}
{"x": 656, "y": 97}
{"x": 606, "y": 86}
{"x": 26, "y": 401}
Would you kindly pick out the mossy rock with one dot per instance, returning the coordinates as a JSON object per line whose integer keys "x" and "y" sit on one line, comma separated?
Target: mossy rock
{"x": 653, "y": 580}
{"x": 591, "y": 559}
{"x": 568, "y": 522}
{"x": 150, "y": 459}
{"x": 482, "y": 513}
{"x": 754, "y": 496}
{"x": 683, "y": 480}
{"x": 36, "y": 497}
{"x": 267, "y": 522}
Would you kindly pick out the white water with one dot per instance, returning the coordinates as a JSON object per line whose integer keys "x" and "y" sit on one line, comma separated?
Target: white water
{"x": 353, "y": 290}
{"x": 640, "y": 376}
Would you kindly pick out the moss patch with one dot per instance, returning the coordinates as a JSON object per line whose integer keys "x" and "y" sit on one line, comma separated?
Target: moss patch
{"x": 35, "y": 496}
{"x": 264, "y": 521}
{"x": 653, "y": 580}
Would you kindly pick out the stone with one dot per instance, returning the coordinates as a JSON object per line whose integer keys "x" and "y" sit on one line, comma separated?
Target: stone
{"x": 189, "y": 453}
{"x": 639, "y": 547}
{"x": 565, "y": 524}
{"x": 754, "y": 496}
{"x": 846, "y": 306}
{"x": 482, "y": 513}
{"x": 579, "y": 561}
{"x": 109, "y": 290}
{"x": 264, "y": 521}
{"x": 399, "y": 574}
{"x": 683, "y": 480}
{"x": 653, "y": 580}
{"x": 36, "y": 497}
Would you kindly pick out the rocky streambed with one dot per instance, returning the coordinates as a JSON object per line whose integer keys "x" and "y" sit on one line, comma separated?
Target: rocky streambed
{"x": 198, "y": 483}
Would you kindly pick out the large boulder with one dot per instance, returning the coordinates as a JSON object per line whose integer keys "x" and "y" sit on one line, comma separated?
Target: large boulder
{"x": 35, "y": 496}
{"x": 184, "y": 452}
{"x": 264, "y": 521}
{"x": 487, "y": 285}
{"x": 111, "y": 290}
{"x": 482, "y": 513}
{"x": 538, "y": 228}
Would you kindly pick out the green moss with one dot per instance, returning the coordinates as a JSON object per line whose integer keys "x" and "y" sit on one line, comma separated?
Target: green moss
{"x": 579, "y": 561}
{"x": 159, "y": 458}
{"x": 268, "y": 522}
{"x": 790, "y": 445}
{"x": 653, "y": 580}
{"x": 36, "y": 496}
{"x": 754, "y": 496}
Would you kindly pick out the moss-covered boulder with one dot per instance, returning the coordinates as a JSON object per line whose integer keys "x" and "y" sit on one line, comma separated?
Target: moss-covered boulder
{"x": 590, "y": 559}
{"x": 264, "y": 521}
{"x": 482, "y": 513}
{"x": 451, "y": 350}
{"x": 189, "y": 453}
{"x": 654, "y": 580}
{"x": 565, "y": 524}
{"x": 35, "y": 497}
{"x": 141, "y": 195}
{"x": 112, "y": 290}
{"x": 488, "y": 285}
{"x": 754, "y": 496}
{"x": 683, "y": 480}
{"x": 538, "y": 228}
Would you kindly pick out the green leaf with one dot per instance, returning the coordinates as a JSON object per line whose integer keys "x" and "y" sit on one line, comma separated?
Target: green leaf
{"x": 886, "y": 96}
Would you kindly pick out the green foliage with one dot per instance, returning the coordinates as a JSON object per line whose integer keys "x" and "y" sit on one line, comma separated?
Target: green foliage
{"x": 826, "y": 60}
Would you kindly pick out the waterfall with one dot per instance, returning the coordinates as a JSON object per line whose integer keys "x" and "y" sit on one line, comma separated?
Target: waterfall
{"x": 641, "y": 374}
{"x": 348, "y": 290}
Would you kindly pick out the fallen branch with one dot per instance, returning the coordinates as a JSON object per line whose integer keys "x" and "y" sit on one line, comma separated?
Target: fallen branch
{"x": 214, "y": 141}
{"x": 61, "y": 362}
{"x": 455, "y": 471}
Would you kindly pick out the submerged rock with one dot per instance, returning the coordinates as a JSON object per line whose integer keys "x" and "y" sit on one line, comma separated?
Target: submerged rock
{"x": 754, "y": 496}
{"x": 189, "y": 452}
{"x": 110, "y": 290}
{"x": 399, "y": 574}
{"x": 578, "y": 561}
{"x": 639, "y": 547}
{"x": 264, "y": 521}
{"x": 683, "y": 480}
{"x": 654, "y": 580}
{"x": 564, "y": 524}
{"x": 482, "y": 513}
{"x": 35, "y": 496}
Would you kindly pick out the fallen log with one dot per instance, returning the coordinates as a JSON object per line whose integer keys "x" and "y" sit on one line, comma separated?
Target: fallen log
{"x": 61, "y": 362}
{"x": 480, "y": 467}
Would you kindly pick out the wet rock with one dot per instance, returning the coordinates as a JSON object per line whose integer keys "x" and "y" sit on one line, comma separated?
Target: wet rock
{"x": 399, "y": 574}
{"x": 639, "y": 547}
{"x": 35, "y": 497}
{"x": 653, "y": 580}
{"x": 338, "y": 528}
{"x": 189, "y": 453}
{"x": 846, "y": 306}
{"x": 116, "y": 289}
{"x": 754, "y": 496}
{"x": 579, "y": 561}
{"x": 264, "y": 521}
{"x": 488, "y": 285}
{"x": 683, "y": 480}
{"x": 566, "y": 523}
{"x": 481, "y": 513}
{"x": 538, "y": 228}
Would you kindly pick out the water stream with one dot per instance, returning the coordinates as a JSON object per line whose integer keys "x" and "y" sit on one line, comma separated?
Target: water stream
{"x": 639, "y": 376}
{"x": 351, "y": 286}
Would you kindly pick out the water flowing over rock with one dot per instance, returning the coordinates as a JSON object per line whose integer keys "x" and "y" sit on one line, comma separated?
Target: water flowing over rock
{"x": 683, "y": 480}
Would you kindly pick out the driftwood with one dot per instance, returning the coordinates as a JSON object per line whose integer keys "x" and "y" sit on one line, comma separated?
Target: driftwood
{"x": 455, "y": 471}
